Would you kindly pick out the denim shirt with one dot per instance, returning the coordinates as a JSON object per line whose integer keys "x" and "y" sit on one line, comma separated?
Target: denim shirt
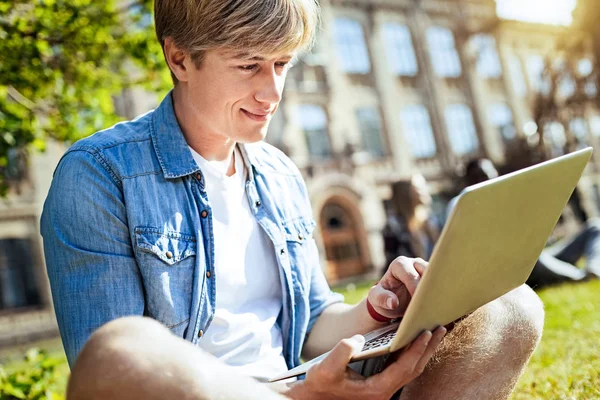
{"x": 127, "y": 230}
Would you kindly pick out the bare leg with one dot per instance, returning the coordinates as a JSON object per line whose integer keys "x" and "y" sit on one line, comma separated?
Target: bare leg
{"x": 585, "y": 243}
{"x": 486, "y": 353}
{"x": 138, "y": 358}
{"x": 549, "y": 270}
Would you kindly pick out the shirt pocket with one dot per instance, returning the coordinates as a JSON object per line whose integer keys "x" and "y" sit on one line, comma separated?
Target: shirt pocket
{"x": 298, "y": 236}
{"x": 167, "y": 261}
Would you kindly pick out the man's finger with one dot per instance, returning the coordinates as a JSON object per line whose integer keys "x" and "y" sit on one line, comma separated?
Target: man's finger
{"x": 403, "y": 369}
{"x": 435, "y": 341}
{"x": 386, "y": 299}
{"x": 421, "y": 265}
{"x": 403, "y": 269}
{"x": 336, "y": 362}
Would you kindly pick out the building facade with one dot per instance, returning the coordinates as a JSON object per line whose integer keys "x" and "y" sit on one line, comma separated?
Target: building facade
{"x": 395, "y": 87}
{"x": 25, "y": 301}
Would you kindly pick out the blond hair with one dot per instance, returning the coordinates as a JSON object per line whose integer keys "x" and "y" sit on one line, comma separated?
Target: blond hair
{"x": 246, "y": 27}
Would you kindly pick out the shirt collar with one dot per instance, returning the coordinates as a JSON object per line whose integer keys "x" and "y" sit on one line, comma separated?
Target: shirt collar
{"x": 169, "y": 143}
{"x": 172, "y": 150}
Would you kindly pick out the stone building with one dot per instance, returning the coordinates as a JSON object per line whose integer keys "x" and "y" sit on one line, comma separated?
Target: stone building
{"x": 399, "y": 86}
{"x": 392, "y": 87}
{"x": 25, "y": 301}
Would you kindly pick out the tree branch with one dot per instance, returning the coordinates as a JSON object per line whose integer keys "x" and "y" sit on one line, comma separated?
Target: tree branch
{"x": 19, "y": 98}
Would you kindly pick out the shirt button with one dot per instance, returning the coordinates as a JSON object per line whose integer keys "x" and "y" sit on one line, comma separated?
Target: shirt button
{"x": 258, "y": 203}
{"x": 169, "y": 254}
{"x": 200, "y": 333}
{"x": 204, "y": 213}
{"x": 208, "y": 274}
{"x": 198, "y": 175}
{"x": 282, "y": 252}
{"x": 300, "y": 237}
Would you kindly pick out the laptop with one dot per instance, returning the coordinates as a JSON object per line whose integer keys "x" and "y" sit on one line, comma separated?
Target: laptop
{"x": 489, "y": 246}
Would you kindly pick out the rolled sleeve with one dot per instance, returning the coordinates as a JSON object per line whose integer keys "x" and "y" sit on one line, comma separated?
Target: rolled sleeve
{"x": 93, "y": 274}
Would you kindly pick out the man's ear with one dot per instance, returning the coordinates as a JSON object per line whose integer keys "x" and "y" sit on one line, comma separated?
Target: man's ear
{"x": 176, "y": 60}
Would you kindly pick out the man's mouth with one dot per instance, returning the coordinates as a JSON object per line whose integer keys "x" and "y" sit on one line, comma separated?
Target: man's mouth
{"x": 260, "y": 116}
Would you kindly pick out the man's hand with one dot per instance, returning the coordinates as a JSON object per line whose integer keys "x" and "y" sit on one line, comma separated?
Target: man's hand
{"x": 332, "y": 379}
{"x": 391, "y": 295}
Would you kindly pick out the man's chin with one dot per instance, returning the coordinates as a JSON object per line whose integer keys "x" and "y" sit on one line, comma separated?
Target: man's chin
{"x": 253, "y": 137}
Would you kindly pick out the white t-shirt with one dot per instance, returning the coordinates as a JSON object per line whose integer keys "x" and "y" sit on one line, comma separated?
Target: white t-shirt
{"x": 243, "y": 333}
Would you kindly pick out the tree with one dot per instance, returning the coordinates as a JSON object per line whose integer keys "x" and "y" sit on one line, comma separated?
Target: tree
{"x": 569, "y": 84}
{"x": 61, "y": 64}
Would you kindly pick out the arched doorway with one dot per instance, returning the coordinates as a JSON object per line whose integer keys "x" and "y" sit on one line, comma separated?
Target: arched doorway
{"x": 341, "y": 239}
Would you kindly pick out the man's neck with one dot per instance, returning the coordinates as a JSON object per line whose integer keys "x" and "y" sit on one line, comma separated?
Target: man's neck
{"x": 211, "y": 146}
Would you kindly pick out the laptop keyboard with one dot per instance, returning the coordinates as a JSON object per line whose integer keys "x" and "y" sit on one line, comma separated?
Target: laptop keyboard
{"x": 380, "y": 340}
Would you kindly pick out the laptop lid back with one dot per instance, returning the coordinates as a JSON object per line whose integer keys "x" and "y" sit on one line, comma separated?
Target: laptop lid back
{"x": 491, "y": 242}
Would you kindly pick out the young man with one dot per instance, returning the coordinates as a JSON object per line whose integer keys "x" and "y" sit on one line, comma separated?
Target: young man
{"x": 185, "y": 216}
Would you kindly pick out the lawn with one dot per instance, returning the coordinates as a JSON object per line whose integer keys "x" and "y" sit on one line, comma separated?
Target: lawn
{"x": 566, "y": 365}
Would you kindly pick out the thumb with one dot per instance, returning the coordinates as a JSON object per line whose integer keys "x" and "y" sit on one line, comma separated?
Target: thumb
{"x": 383, "y": 298}
{"x": 337, "y": 360}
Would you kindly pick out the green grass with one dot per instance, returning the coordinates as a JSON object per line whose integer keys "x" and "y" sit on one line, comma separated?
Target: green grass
{"x": 566, "y": 364}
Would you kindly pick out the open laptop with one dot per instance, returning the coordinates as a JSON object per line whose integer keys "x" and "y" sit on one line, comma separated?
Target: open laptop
{"x": 488, "y": 247}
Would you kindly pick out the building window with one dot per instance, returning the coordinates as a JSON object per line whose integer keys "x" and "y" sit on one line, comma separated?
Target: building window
{"x": 369, "y": 122}
{"x": 517, "y": 77}
{"x": 501, "y": 118}
{"x": 351, "y": 46}
{"x": 555, "y": 138}
{"x": 488, "y": 62}
{"x": 399, "y": 48}
{"x": 590, "y": 89}
{"x": 579, "y": 129}
{"x": 313, "y": 123}
{"x": 585, "y": 67}
{"x": 442, "y": 50}
{"x": 417, "y": 131}
{"x": 18, "y": 286}
{"x": 566, "y": 86}
{"x": 461, "y": 129}
{"x": 535, "y": 71}
{"x": 595, "y": 125}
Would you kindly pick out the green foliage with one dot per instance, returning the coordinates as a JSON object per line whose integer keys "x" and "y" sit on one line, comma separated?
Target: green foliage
{"x": 41, "y": 378}
{"x": 62, "y": 63}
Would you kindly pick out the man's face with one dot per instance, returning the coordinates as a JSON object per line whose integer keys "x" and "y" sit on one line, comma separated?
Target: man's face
{"x": 235, "y": 97}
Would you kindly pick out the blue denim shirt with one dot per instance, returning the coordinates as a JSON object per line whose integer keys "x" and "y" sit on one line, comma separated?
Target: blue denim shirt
{"x": 127, "y": 230}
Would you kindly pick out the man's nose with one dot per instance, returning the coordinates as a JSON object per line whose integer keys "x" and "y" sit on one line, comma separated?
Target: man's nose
{"x": 271, "y": 87}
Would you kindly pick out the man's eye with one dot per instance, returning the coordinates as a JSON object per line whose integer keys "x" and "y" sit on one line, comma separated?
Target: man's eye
{"x": 250, "y": 67}
{"x": 283, "y": 64}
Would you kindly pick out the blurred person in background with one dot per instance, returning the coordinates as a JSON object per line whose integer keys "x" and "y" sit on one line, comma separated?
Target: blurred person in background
{"x": 556, "y": 264}
{"x": 411, "y": 229}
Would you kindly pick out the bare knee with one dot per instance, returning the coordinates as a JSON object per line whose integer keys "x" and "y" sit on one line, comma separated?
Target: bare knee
{"x": 510, "y": 325}
{"x": 520, "y": 319}
{"x": 111, "y": 353}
